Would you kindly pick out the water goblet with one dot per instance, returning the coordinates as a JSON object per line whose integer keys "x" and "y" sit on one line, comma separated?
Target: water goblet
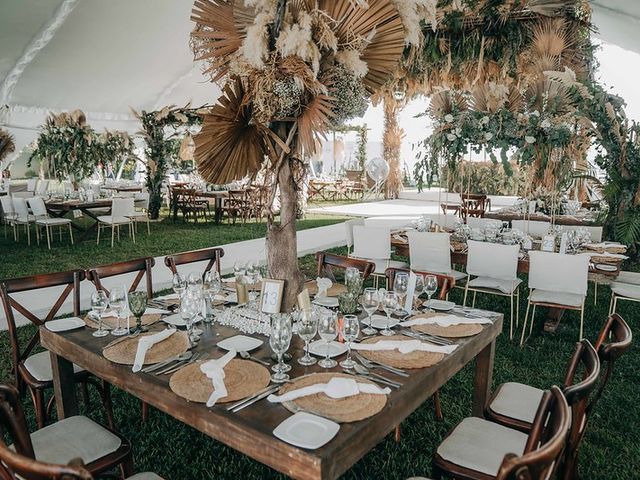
{"x": 349, "y": 329}
{"x": 279, "y": 340}
{"x": 370, "y": 303}
{"x": 328, "y": 330}
{"x": 179, "y": 285}
{"x": 307, "y": 329}
{"x": 118, "y": 301}
{"x": 389, "y": 304}
{"x": 189, "y": 307}
{"x": 419, "y": 288}
{"x": 99, "y": 303}
{"x": 400, "y": 287}
{"x": 430, "y": 287}
{"x": 138, "y": 305}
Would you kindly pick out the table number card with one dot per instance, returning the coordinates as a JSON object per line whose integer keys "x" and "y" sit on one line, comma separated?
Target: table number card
{"x": 271, "y": 295}
{"x": 411, "y": 287}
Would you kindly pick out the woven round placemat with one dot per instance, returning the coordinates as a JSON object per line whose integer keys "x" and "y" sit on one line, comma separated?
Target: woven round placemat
{"x": 341, "y": 410}
{"x": 123, "y": 351}
{"x": 335, "y": 290}
{"x": 453, "y": 331}
{"x": 242, "y": 378}
{"x": 110, "y": 323}
{"x": 400, "y": 360}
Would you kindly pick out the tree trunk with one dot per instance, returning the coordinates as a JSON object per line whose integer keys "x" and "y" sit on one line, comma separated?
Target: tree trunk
{"x": 392, "y": 142}
{"x": 282, "y": 248}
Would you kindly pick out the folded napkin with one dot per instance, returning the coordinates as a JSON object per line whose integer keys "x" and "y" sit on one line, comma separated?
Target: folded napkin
{"x": 324, "y": 284}
{"x": 214, "y": 369}
{"x": 145, "y": 343}
{"x": 444, "y": 321}
{"x": 337, "y": 387}
{"x": 148, "y": 311}
{"x": 404, "y": 346}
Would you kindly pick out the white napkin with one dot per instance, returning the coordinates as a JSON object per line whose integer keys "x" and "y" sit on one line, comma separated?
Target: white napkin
{"x": 444, "y": 321}
{"x": 337, "y": 387}
{"x": 404, "y": 346}
{"x": 324, "y": 284}
{"x": 214, "y": 369}
{"x": 145, "y": 343}
{"x": 148, "y": 311}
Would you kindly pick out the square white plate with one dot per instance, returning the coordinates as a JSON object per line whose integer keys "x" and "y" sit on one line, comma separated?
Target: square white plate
{"x": 319, "y": 348}
{"x": 380, "y": 321}
{"x": 65, "y": 324}
{"x": 326, "y": 301}
{"x": 306, "y": 430}
{"x": 440, "y": 305}
{"x": 240, "y": 343}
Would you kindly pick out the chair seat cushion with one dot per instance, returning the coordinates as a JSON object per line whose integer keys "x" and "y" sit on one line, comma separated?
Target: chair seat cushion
{"x": 481, "y": 445}
{"x": 504, "y": 286}
{"x": 73, "y": 437}
{"x": 138, "y": 215}
{"x": 111, "y": 220}
{"x": 626, "y": 290}
{"x": 145, "y": 476}
{"x": 382, "y": 265}
{"x": 53, "y": 221}
{"x": 628, "y": 277}
{"x": 557, "y": 298}
{"x": 39, "y": 366}
{"x": 457, "y": 275}
{"x": 517, "y": 401}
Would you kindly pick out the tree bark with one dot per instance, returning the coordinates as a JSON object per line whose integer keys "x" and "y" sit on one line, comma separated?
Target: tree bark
{"x": 392, "y": 142}
{"x": 282, "y": 247}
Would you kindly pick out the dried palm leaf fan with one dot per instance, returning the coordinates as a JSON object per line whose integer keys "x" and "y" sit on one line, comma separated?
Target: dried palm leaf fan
{"x": 549, "y": 92}
{"x": 445, "y": 102}
{"x": 7, "y": 145}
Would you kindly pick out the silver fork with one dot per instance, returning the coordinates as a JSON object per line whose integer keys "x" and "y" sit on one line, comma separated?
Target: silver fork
{"x": 371, "y": 364}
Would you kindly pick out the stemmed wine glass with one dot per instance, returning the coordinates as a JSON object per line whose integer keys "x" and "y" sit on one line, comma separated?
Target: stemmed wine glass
{"x": 117, "y": 300}
{"x": 389, "y": 304}
{"x": 280, "y": 339}
{"x": 419, "y": 288}
{"x": 400, "y": 287}
{"x": 328, "y": 330}
{"x": 189, "y": 308}
{"x": 99, "y": 303}
{"x": 179, "y": 285}
{"x": 430, "y": 287}
{"x": 138, "y": 305}
{"x": 350, "y": 328}
{"x": 307, "y": 329}
{"x": 370, "y": 303}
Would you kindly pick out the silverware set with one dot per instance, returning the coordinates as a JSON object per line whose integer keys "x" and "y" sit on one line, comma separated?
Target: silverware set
{"x": 256, "y": 397}
{"x": 371, "y": 364}
{"x": 360, "y": 371}
{"x": 435, "y": 339}
{"x": 175, "y": 363}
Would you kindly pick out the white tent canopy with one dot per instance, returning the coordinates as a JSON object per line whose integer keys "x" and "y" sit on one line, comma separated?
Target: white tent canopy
{"x": 104, "y": 56}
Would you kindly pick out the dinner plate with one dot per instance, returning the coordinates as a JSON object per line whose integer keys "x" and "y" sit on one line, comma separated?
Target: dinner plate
{"x": 380, "y": 321}
{"x": 177, "y": 321}
{"x": 440, "y": 305}
{"x": 65, "y": 324}
{"x": 605, "y": 267}
{"x": 240, "y": 343}
{"x": 326, "y": 301}
{"x": 306, "y": 430}
{"x": 319, "y": 348}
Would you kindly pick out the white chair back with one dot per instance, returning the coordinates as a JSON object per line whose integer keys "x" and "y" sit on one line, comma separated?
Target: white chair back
{"x": 348, "y": 226}
{"x": 446, "y": 221}
{"x": 142, "y": 200}
{"x": 7, "y": 204}
{"x": 42, "y": 187}
{"x": 122, "y": 207}
{"x": 492, "y": 260}
{"x": 558, "y": 272}
{"x": 534, "y": 228}
{"x": 372, "y": 243}
{"x": 391, "y": 223}
{"x": 31, "y": 184}
{"x": 429, "y": 251}
{"x": 37, "y": 206}
{"x": 482, "y": 223}
{"x": 22, "y": 194}
{"x": 20, "y": 208}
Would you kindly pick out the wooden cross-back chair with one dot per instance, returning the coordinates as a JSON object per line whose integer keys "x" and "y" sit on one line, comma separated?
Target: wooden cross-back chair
{"x": 33, "y": 369}
{"x": 327, "y": 261}
{"x": 212, "y": 254}
{"x": 142, "y": 266}
{"x": 24, "y": 459}
{"x": 237, "y": 205}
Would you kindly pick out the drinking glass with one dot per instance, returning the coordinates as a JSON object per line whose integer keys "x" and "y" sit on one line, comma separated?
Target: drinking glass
{"x": 194, "y": 280}
{"x": 99, "y": 303}
{"x": 189, "y": 307}
{"x": 328, "y": 330}
{"x": 430, "y": 287}
{"x": 353, "y": 280}
{"x": 307, "y": 329}
{"x": 400, "y": 287}
{"x": 389, "y": 304}
{"x": 212, "y": 282}
{"x": 239, "y": 271}
{"x": 280, "y": 339}
{"x": 138, "y": 305}
{"x": 419, "y": 288}
{"x": 350, "y": 328}
{"x": 370, "y": 303}
{"x": 117, "y": 301}
{"x": 179, "y": 285}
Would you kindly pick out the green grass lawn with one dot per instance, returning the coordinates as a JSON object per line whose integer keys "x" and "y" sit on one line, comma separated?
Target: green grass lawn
{"x": 610, "y": 451}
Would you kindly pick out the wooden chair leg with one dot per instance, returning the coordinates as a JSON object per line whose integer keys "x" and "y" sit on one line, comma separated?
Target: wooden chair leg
{"x": 39, "y": 406}
{"x": 126, "y": 467}
{"x": 397, "y": 434}
{"x": 145, "y": 412}
{"x": 437, "y": 405}
{"x": 85, "y": 394}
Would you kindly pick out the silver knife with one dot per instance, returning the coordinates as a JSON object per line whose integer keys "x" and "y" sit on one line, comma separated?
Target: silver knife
{"x": 258, "y": 398}
{"x": 369, "y": 376}
{"x": 178, "y": 364}
{"x": 195, "y": 358}
{"x": 157, "y": 366}
{"x": 250, "y": 397}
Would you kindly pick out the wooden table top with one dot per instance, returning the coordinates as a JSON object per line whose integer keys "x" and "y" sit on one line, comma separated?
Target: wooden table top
{"x": 123, "y": 188}
{"x": 77, "y": 204}
{"x": 564, "y": 220}
{"x": 250, "y": 430}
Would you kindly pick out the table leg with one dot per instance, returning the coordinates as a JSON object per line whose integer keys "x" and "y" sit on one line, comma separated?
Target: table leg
{"x": 553, "y": 319}
{"x": 64, "y": 387}
{"x": 218, "y": 209}
{"x": 482, "y": 379}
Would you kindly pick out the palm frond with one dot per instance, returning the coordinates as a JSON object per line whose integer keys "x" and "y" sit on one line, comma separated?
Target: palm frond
{"x": 627, "y": 229}
{"x": 314, "y": 122}
{"x": 7, "y": 144}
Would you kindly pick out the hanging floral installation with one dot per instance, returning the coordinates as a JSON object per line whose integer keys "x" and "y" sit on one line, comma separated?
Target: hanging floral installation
{"x": 291, "y": 71}
{"x": 7, "y": 146}
{"x": 115, "y": 147}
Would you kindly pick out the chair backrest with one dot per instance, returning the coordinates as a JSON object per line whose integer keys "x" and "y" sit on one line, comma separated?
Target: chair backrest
{"x": 545, "y": 444}
{"x": 371, "y": 242}
{"x": 326, "y": 262}
{"x": 69, "y": 280}
{"x": 122, "y": 207}
{"x": 37, "y": 206}
{"x": 31, "y": 184}
{"x": 141, "y": 266}
{"x": 492, "y": 260}
{"x": 20, "y": 207}
{"x": 19, "y": 462}
{"x": 391, "y": 223}
{"x": 534, "y": 228}
{"x": 559, "y": 272}
{"x": 42, "y": 187}
{"x": 445, "y": 282}
{"x": 212, "y": 254}
{"x": 429, "y": 251}
{"x": 482, "y": 223}
{"x": 348, "y": 226}
{"x": 142, "y": 200}
{"x": 7, "y": 204}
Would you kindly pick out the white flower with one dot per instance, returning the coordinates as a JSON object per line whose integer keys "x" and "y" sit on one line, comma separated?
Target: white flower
{"x": 448, "y": 118}
{"x": 484, "y": 120}
{"x": 458, "y": 131}
{"x": 488, "y": 136}
{"x": 529, "y": 139}
{"x": 545, "y": 124}
{"x": 451, "y": 137}
{"x": 536, "y": 113}
{"x": 436, "y": 124}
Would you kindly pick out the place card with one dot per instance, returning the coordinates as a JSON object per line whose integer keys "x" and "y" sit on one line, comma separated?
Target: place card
{"x": 411, "y": 287}
{"x": 271, "y": 295}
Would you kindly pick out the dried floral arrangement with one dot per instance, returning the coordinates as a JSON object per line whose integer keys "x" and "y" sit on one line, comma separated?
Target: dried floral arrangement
{"x": 7, "y": 145}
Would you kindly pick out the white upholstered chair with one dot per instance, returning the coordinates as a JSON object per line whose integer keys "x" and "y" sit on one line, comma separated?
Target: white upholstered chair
{"x": 374, "y": 244}
{"x": 22, "y": 217}
{"x": 556, "y": 280}
{"x": 348, "y": 226}
{"x": 495, "y": 269}
{"x": 42, "y": 187}
{"x": 8, "y": 213}
{"x": 42, "y": 219}
{"x": 121, "y": 208}
{"x": 431, "y": 252}
{"x": 625, "y": 287}
{"x": 392, "y": 223}
{"x": 534, "y": 228}
{"x": 31, "y": 184}
{"x": 141, "y": 210}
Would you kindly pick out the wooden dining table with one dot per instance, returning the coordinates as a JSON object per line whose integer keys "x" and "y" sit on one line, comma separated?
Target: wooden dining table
{"x": 219, "y": 196}
{"x": 250, "y": 431}
{"x": 61, "y": 208}
{"x": 562, "y": 220}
